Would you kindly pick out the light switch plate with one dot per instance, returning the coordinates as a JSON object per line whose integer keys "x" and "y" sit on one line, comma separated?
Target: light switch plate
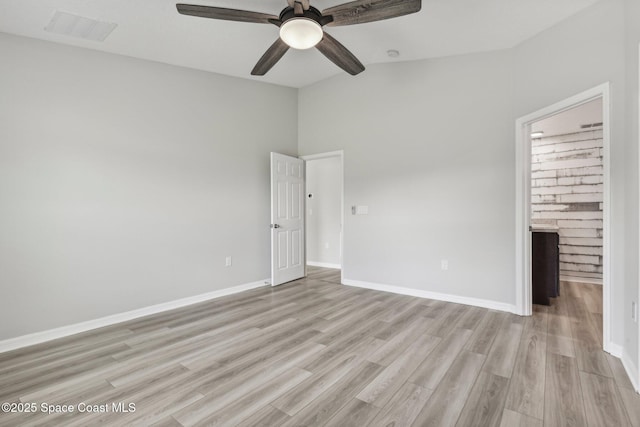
{"x": 362, "y": 210}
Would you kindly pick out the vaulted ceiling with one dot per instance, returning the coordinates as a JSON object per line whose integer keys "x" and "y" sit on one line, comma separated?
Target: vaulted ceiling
{"x": 153, "y": 30}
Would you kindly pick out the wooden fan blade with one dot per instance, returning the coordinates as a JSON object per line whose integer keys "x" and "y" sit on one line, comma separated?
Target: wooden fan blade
{"x": 361, "y": 11}
{"x": 270, "y": 57}
{"x": 226, "y": 14}
{"x": 339, "y": 55}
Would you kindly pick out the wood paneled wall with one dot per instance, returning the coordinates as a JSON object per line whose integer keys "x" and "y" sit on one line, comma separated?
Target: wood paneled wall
{"x": 566, "y": 191}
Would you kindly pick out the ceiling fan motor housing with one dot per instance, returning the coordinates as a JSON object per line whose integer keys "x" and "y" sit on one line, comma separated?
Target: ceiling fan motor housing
{"x": 311, "y": 13}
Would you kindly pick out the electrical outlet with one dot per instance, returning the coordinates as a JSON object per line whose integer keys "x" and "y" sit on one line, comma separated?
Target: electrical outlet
{"x": 444, "y": 264}
{"x": 227, "y": 261}
{"x": 634, "y": 311}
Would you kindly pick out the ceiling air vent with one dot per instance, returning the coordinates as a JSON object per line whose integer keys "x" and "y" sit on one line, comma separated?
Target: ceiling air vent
{"x": 591, "y": 125}
{"x": 79, "y": 26}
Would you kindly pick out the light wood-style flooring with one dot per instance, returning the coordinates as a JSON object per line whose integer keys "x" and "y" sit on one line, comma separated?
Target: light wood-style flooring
{"x": 316, "y": 353}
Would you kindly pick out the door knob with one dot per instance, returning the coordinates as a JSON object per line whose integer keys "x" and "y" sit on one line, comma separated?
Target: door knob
{"x": 275, "y": 225}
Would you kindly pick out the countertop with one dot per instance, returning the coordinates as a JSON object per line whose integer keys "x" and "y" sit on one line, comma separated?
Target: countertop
{"x": 543, "y": 228}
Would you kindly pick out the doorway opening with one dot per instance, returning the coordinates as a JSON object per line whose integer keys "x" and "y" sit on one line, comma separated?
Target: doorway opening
{"x": 324, "y": 201}
{"x": 563, "y": 186}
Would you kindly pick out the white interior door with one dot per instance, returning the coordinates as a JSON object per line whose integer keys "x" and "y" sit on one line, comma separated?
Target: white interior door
{"x": 287, "y": 218}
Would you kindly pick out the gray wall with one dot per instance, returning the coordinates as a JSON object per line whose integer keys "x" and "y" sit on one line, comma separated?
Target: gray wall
{"x": 429, "y": 146}
{"x": 632, "y": 26}
{"x": 125, "y": 183}
{"x": 324, "y": 181}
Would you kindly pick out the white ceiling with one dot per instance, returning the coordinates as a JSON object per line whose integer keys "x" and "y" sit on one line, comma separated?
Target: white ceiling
{"x": 153, "y": 29}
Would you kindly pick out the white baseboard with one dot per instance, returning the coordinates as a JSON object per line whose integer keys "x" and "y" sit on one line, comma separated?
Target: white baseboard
{"x": 632, "y": 371}
{"x": 324, "y": 264}
{"x": 613, "y": 349}
{"x": 589, "y": 280}
{"x": 630, "y": 367}
{"x": 52, "y": 334}
{"x": 493, "y": 305}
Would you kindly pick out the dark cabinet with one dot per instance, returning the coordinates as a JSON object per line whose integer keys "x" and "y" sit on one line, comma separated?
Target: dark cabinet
{"x": 545, "y": 266}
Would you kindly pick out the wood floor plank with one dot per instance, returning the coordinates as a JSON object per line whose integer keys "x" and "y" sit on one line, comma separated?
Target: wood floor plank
{"x": 560, "y": 325}
{"x": 79, "y": 391}
{"x": 389, "y": 330}
{"x": 502, "y": 356}
{"x": 581, "y": 326}
{"x": 516, "y": 419}
{"x": 327, "y": 274}
{"x": 163, "y": 404}
{"x": 631, "y": 401}
{"x": 539, "y": 319}
{"x": 354, "y": 413}
{"x": 134, "y": 391}
{"x": 602, "y": 406}
{"x": 22, "y": 374}
{"x": 471, "y": 319}
{"x": 398, "y": 306}
{"x": 251, "y": 401}
{"x": 592, "y": 296}
{"x": 358, "y": 317}
{"x": 157, "y": 406}
{"x": 265, "y": 354}
{"x": 62, "y": 347}
{"x": 222, "y": 393}
{"x": 42, "y": 359}
{"x": 559, "y": 322}
{"x": 358, "y": 341}
{"x": 332, "y": 400}
{"x": 403, "y": 338}
{"x": 84, "y": 391}
{"x": 563, "y": 398}
{"x": 299, "y": 397}
{"x": 448, "y": 320}
{"x": 436, "y": 309}
{"x": 572, "y": 289}
{"x": 11, "y": 391}
{"x": 431, "y": 371}
{"x": 341, "y": 311}
{"x": 558, "y": 344}
{"x": 252, "y": 342}
{"x": 384, "y": 386}
{"x": 446, "y": 403}
{"x": 486, "y": 402}
{"x": 596, "y": 323}
{"x": 482, "y": 339}
{"x": 592, "y": 360}
{"x": 404, "y": 406}
{"x": 268, "y": 416}
{"x": 167, "y": 422}
{"x": 526, "y": 391}
{"x": 619, "y": 373}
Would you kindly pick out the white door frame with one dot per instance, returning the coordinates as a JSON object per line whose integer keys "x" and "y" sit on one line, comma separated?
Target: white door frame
{"x": 523, "y": 198}
{"x": 340, "y": 155}
{"x": 637, "y": 380}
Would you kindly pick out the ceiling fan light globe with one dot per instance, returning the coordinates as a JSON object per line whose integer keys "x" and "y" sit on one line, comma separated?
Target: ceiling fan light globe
{"x": 301, "y": 33}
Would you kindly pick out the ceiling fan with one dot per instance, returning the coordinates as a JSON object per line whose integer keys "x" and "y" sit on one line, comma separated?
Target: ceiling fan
{"x": 301, "y": 26}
